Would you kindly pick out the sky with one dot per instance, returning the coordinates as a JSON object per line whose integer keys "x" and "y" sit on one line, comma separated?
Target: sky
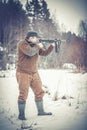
{"x": 68, "y": 12}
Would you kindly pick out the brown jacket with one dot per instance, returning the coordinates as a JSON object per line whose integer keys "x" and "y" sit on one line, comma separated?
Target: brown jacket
{"x": 26, "y": 63}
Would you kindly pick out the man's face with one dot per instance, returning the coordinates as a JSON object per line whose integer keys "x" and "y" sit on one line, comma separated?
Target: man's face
{"x": 33, "y": 39}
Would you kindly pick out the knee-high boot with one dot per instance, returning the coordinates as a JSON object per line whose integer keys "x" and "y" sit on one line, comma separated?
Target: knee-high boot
{"x": 21, "y": 108}
{"x": 39, "y": 105}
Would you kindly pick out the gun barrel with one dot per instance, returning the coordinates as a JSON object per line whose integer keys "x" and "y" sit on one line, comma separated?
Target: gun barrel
{"x": 49, "y": 40}
{"x": 46, "y": 41}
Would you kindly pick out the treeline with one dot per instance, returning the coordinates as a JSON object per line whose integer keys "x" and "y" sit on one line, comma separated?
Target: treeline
{"x": 13, "y": 25}
{"x": 16, "y": 21}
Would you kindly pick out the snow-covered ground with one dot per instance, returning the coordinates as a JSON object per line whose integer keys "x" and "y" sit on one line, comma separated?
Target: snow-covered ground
{"x": 67, "y": 101}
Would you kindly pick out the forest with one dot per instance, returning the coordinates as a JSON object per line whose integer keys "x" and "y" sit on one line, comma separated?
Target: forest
{"x": 16, "y": 21}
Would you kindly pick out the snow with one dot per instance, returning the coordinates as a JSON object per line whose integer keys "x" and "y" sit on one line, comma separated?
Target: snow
{"x": 67, "y": 101}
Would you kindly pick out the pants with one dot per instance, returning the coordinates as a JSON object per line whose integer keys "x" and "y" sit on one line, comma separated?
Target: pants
{"x": 33, "y": 80}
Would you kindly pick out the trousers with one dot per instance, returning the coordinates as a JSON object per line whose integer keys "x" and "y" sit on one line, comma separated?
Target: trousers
{"x": 25, "y": 81}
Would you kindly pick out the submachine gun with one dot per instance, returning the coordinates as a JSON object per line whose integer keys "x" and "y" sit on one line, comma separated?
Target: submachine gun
{"x": 56, "y": 41}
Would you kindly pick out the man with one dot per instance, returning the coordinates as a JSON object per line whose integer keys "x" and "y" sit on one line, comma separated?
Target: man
{"x": 27, "y": 72}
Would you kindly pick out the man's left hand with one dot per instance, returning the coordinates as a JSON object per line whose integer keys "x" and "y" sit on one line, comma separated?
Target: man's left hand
{"x": 53, "y": 44}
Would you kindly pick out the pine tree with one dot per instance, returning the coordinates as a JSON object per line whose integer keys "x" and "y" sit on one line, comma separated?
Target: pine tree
{"x": 83, "y": 35}
{"x": 41, "y": 21}
{"x": 45, "y": 11}
{"x": 37, "y": 9}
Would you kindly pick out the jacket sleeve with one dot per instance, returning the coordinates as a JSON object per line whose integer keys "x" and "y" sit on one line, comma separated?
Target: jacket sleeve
{"x": 45, "y": 52}
{"x": 28, "y": 50}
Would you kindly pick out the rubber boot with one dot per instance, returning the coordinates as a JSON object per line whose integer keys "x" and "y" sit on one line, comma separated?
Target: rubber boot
{"x": 39, "y": 104}
{"x": 21, "y": 108}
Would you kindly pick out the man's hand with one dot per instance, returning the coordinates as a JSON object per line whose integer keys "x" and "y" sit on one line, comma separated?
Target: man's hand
{"x": 53, "y": 44}
{"x": 40, "y": 45}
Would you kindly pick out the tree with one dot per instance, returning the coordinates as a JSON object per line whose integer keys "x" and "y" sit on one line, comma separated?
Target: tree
{"x": 37, "y": 9}
{"x": 14, "y": 21}
{"x": 83, "y": 30}
{"x": 41, "y": 21}
{"x": 13, "y": 25}
{"x": 83, "y": 35}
